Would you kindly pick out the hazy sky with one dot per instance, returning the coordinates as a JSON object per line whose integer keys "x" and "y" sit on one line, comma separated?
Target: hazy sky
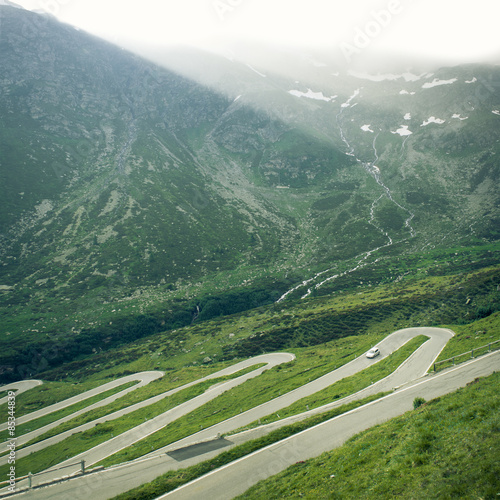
{"x": 452, "y": 30}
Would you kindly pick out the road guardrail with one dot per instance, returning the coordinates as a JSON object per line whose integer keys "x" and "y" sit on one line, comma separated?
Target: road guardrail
{"x": 474, "y": 353}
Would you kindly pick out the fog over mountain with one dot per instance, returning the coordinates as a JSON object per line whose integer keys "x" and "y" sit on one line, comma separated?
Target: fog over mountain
{"x": 358, "y": 33}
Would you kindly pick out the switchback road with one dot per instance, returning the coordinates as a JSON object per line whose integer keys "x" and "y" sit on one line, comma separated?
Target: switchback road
{"x": 409, "y": 377}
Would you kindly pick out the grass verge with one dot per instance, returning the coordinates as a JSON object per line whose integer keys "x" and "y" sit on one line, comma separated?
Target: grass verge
{"x": 473, "y": 336}
{"x": 81, "y": 441}
{"x": 310, "y": 364}
{"x": 48, "y": 394}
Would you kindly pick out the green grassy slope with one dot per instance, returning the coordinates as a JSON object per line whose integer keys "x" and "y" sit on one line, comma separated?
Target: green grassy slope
{"x": 434, "y": 295}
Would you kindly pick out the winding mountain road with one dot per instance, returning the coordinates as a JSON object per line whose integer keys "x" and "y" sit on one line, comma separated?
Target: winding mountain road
{"x": 409, "y": 379}
{"x": 142, "y": 379}
{"x": 143, "y": 430}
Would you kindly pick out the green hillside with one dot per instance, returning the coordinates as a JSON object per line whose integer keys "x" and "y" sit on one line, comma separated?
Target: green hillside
{"x": 324, "y": 333}
{"x": 134, "y": 200}
{"x": 429, "y": 459}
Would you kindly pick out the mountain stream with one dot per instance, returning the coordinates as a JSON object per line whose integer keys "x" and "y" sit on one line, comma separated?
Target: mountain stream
{"x": 361, "y": 260}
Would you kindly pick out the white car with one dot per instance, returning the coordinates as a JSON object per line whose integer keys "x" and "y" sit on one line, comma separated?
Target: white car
{"x": 373, "y": 352}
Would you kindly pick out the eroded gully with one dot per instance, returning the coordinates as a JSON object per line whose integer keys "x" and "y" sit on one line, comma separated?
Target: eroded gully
{"x": 362, "y": 260}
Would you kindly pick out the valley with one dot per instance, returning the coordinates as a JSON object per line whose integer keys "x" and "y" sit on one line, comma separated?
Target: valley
{"x": 197, "y": 250}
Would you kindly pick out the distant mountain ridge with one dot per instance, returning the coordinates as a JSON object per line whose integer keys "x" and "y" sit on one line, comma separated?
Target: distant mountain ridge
{"x": 123, "y": 182}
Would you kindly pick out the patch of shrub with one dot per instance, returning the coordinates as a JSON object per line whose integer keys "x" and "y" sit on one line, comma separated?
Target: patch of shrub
{"x": 417, "y": 402}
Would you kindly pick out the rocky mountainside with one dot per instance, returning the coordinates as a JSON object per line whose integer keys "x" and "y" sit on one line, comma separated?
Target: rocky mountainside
{"x": 127, "y": 188}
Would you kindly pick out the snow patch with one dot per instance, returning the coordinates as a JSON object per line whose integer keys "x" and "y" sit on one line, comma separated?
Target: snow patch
{"x": 436, "y": 83}
{"x": 258, "y": 72}
{"x": 474, "y": 80}
{"x": 237, "y": 98}
{"x": 432, "y": 119}
{"x": 312, "y": 95}
{"x": 457, "y": 116}
{"x": 348, "y": 102}
{"x": 408, "y": 116}
{"x": 403, "y": 131}
{"x": 405, "y": 92}
{"x": 366, "y": 128}
{"x": 496, "y": 112}
{"x": 408, "y": 77}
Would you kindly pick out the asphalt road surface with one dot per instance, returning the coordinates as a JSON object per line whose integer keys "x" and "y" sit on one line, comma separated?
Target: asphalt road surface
{"x": 142, "y": 378}
{"x": 201, "y": 446}
{"x": 138, "y": 433}
{"x": 18, "y": 387}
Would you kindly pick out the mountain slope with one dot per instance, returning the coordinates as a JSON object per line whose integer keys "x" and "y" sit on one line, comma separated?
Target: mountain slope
{"x": 128, "y": 189}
